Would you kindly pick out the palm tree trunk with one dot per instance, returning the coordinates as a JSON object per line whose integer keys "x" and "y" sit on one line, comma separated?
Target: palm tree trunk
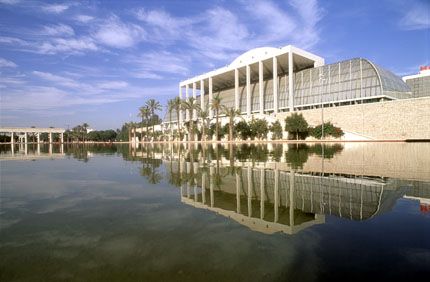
{"x": 179, "y": 129}
{"x": 141, "y": 131}
{"x": 217, "y": 126}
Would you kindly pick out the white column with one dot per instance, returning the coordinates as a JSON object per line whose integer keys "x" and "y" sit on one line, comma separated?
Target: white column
{"x": 180, "y": 111}
{"x": 50, "y": 137}
{"x": 262, "y": 174}
{"x": 249, "y": 191}
{"x": 187, "y": 113}
{"x": 202, "y": 94}
{"x": 292, "y": 199}
{"x": 62, "y": 137}
{"x": 248, "y": 90}
{"x": 260, "y": 86}
{"x": 38, "y": 137}
{"x": 290, "y": 82}
{"x": 236, "y": 89}
{"x": 12, "y": 140}
{"x": 275, "y": 85}
{"x": 25, "y": 137}
{"x": 203, "y": 187}
{"x": 276, "y": 195}
{"x": 210, "y": 98}
{"x": 195, "y": 101}
{"x": 211, "y": 185}
{"x": 237, "y": 192}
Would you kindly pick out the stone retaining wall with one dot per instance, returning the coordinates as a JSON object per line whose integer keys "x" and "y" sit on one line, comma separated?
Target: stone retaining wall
{"x": 398, "y": 119}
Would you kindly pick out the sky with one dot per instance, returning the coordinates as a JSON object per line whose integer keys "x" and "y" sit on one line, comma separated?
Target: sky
{"x": 63, "y": 63}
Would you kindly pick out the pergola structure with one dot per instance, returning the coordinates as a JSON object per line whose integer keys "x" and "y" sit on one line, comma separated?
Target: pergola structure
{"x": 25, "y": 130}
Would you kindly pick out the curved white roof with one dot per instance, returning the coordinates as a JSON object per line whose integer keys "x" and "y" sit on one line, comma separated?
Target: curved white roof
{"x": 253, "y": 54}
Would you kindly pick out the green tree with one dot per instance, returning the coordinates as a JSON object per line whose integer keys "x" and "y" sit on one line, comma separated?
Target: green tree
{"x": 276, "y": 130}
{"x": 85, "y": 127}
{"x": 144, "y": 113}
{"x": 242, "y": 128}
{"x": 297, "y": 125}
{"x": 216, "y": 106}
{"x": 329, "y": 130}
{"x": 190, "y": 105}
{"x": 231, "y": 113}
{"x": 153, "y": 105}
{"x": 177, "y": 106}
{"x": 259, "y": 128}
{"x": 170, "y": 108}
{"x": 203, "y": 115}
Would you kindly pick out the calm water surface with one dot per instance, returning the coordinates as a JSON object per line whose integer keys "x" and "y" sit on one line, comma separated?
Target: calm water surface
{"x": 187, "y": 213}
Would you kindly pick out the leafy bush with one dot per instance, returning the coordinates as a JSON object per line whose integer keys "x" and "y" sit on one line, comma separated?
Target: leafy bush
{"x": 276, "y": 130}
{"x": 329, "y": 130}
{"x": 296, "y": 126}
{"x": 243, "y": 129}
{"x": 259, "y": 128}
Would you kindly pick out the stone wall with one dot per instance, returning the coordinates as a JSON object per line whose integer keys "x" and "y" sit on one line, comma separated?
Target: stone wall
{"x": 393, "y": 120}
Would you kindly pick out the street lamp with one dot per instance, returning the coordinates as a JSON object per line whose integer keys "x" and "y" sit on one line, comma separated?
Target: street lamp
{"x": 322, "y": 82}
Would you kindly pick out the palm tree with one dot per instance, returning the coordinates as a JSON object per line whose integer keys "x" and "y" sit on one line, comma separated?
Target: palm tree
{"x": 177, "y": 106}
{"x": 203, "y": 114}
{"x": 231, "y": 113}
{"x": 216, "y": 106}
{"x": 144, "y": 113}
{"x": 153, "y": 106}
{"x": 190, "y": 105}
{"x": 170, "y": 107}
{"x": 84, "y": 130}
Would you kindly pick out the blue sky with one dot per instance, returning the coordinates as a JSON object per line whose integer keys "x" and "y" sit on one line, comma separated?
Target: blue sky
{"x": 65, "y": 63}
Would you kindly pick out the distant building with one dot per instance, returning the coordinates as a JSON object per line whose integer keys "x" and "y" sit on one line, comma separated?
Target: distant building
{"x": 419, "y": 83}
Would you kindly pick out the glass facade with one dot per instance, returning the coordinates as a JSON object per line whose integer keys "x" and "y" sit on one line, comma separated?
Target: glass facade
{"x": 420, "y": 86}
{"x": 351, "y": 81}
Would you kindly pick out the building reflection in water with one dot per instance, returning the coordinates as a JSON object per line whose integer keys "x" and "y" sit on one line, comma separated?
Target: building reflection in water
{"x": 270, "y": 199}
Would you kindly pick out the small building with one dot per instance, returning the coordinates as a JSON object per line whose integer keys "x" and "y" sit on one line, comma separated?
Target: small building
{"x": 419, "y": 83}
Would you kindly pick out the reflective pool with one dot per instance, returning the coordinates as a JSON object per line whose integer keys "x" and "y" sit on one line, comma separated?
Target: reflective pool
{"x": 275, "y": 212}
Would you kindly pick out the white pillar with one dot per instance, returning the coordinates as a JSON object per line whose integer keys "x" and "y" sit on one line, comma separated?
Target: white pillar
{"x": 195, "y": 97}
{"x": 203, "y": 187}
{"x": 248, "y": 90}
{"x": 276, "y": 195}
{"x": 211, "y": 185}
{"x": 25, "y": 137}
{"x": 236, "y": 89}
{"x": 62, "y": 137}
{"x": 292, "y": 198}
{"x": 210, "y": 98}
{"x": 12, "y": 140}
{"x": 180, "y": 111}
{"x": 260, "y": 86}
{"x": 38, "y": 137}
{"x": 249, "y": 191}
{"x": 275, "y": 85}
{"x": 237, "y": 192}
{"x": 262, "y": 174}
{"x": 50, "y": 137}
{"x": 202, "y": 94}
{"x": 290, "y": 82}
{"x": 187, "y": 113}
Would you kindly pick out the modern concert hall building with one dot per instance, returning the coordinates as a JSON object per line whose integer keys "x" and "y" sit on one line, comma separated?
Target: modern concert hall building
{"x": 264, "y": 82}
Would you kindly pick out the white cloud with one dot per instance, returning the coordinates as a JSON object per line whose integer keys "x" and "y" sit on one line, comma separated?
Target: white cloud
{"x": 84, "y": 18}
{"x": 117, "y": 34}
{"x": 112, "y": 85}
{"x": 152, "y": 64}
{"x": 7, "y": 64}
{"x": 12, "y": 40}
{"x": 55, "y": 8}
{"x": 70, "y": 45}
{"x": 9, "y": 2}
{"x": 57, "y": 79}
{"x": 59, "y": 30}
{"x": 417, "y": 17}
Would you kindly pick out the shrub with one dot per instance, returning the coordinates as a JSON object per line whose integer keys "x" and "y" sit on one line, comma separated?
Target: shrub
{"x": 243, "y": 130}
{"x": 296, "y": 126}
{"x": 276, "y": 130}
{"x": 329, "y": 130}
